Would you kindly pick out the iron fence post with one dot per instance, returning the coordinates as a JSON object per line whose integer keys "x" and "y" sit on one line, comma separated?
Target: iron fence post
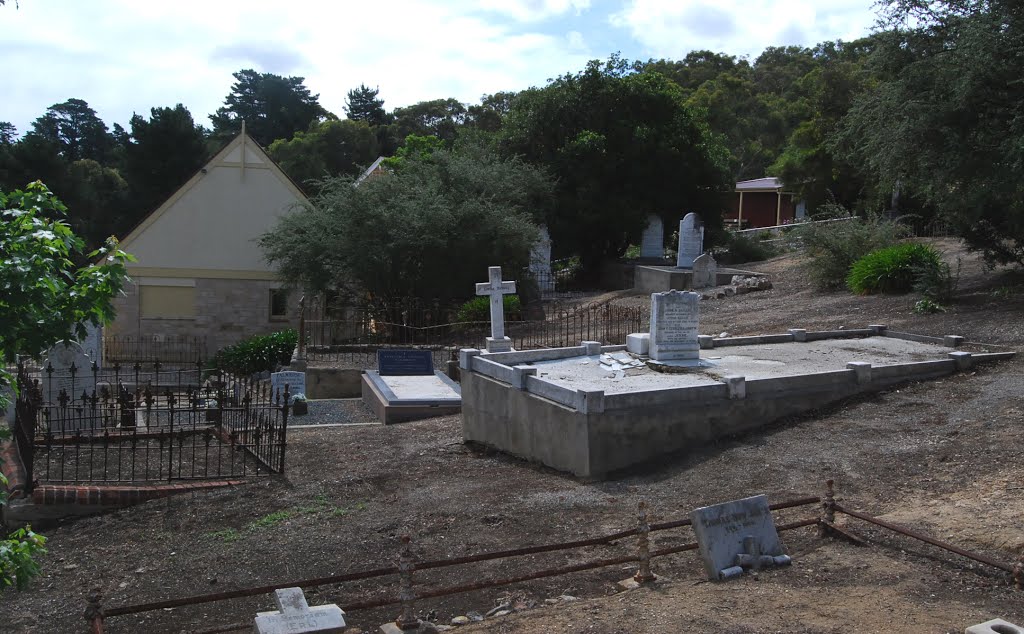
{"x": 406, "y": 593}
{"x": 94, "y": 611}
{"x": 643, "y": 529}
{"x": 284, "y": 428}
{"x": 828, "y": 509}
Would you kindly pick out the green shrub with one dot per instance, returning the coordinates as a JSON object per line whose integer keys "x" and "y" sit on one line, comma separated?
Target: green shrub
{"x": 742, "y": 248}
{"x": 479, "y": 309}
{"x": 835, "y": 246}
{"x": 261, "y": 353}
{"x": 893, "y": 269}
{"x": 937, "y": 283}
{"x": 928, "y": 307}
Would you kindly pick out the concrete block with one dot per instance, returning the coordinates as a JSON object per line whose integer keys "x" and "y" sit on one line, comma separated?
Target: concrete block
{"x": 592, "y": 347}
{"x": 737, "y": 386}
{"x": 519, "y": 374}
{"x": 995, "y": 626}
{"x": 878, "y": 329}
{"x": 639, "y": 343}
{"x": 799, "y": 334}
{"x": 466, "y": 357}
{"x": 706, "y": 342}
{"x": 962, "y": 360}
{"x": 590, "y": 401}
{"x": 952, "y": 341}
{"x": 863, "y": 370}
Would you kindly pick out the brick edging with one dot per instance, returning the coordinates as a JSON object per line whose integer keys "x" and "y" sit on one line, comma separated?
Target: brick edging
{"x": 51, "y": 494}
{"x": 13, "y": 469}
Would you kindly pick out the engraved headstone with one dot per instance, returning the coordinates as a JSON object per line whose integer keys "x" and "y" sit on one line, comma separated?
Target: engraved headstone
{"x": 540, "y": 261}
{"x": 296, "y": 382}
{"x": 92, "y": 343}
{"x": 61, "y": 357}
{"x": 652, "y": 241}
{"x": 722, "y": 530}
{"x": 691, "y": 240}
{"x": 674, "y": 316}
{"x": 495, "y": 288}
{"x": 295, "y": 616}
{"x": 405, "y": 363}
{"x": 705, "y": 271}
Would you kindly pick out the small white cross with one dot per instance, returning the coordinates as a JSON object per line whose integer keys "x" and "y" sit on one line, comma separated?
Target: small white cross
{"x": 495, "y": 288}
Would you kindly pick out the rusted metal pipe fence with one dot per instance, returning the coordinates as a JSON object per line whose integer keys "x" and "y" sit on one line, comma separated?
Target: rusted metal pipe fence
{"x": 96, "y": 615}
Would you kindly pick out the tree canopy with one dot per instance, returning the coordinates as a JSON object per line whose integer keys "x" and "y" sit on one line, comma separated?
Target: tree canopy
{"x": 622, "y": 145}
{"x": 273, "y": 107}
{"x": 330, "y": 148}
{"x": 429, "y": 230}
{"x": 362, "y": 104}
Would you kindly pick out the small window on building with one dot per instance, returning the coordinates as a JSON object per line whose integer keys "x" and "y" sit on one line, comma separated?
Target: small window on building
{"x": 167, "y": 302}
{"x": 278, "y": 304}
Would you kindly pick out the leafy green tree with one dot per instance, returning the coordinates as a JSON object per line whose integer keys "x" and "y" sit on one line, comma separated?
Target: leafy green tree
{"x": 46, "y": 298}
{"x": 8, "y": 133}
{"x": 328, "y": 149}
{"x": 76, "y": 130}
{"x": 944, "y": 120}
{"x": 622, "y": 145}
{"x": 362, "y": 104}
{"x": 490, "y": 113}
{"x": 273, "y": 107}
{"x": 698, "y": 67}
{"x": 100, "y": 199}
{"x": 438, "y": 117}
{"x": 397, "y": 236}
{"x": 161, "y": 154}
{"x": 415, "y": 148}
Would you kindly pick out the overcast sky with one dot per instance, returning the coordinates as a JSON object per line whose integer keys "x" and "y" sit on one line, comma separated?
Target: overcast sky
{"x": 125, "y": 56}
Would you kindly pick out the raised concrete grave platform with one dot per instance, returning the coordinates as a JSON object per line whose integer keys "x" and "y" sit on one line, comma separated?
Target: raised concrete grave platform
{"x": 396, "y": 399}
{"x": 564, "y": 408}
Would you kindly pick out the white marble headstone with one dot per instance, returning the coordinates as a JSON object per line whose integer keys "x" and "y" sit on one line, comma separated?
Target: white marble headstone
{"x": 92, "y": 343}
{"x": 674, "y": 317}
{"x": 721, "y": 529}
{"x": 61, "y": 357}
{"x": 691, "y": 240}
{"x": 705, "y": 271}
{"x": 540, "y": 261}
{"x": 652, "y": 242}
{"x": 296, "y": 382}
{"x": 295, "y": 616}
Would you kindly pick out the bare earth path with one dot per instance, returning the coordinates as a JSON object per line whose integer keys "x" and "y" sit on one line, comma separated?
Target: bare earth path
{"x": 946, "y": 456}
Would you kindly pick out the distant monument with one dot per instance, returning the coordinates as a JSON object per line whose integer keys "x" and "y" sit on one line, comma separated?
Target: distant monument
{"x": 652, "y": 242}
{"x": 691, "y": 240}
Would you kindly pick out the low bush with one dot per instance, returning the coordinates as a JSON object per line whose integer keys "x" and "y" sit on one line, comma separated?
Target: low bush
{"x": 479, "y": 309}
{"x": 742, "y": 248}
{"x": 261, "y": 353}
{"x": 834, "y": 246}
{"x": 938, "y": 283}
{"x": 893, "y": 269}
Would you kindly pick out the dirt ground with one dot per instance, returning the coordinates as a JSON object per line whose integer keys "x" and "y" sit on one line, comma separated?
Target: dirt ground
{"x": 945, "y": 456}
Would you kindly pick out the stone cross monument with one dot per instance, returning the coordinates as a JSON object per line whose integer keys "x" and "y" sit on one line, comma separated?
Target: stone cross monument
{"x": 495, "y": 288}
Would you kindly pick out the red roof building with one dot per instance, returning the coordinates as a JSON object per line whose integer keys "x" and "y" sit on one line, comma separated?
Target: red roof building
{"x": 762, "y": 202}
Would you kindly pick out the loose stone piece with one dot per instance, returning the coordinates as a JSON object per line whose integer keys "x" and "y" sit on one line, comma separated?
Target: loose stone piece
{"x": 296, "y": 617}
{"x": 995, "y": 626}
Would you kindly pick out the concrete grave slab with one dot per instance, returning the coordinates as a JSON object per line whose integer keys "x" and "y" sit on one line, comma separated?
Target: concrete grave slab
{"x": 727, "y": 530}
{"x": 295, "y": 616}
{"x": 396, "y": 399}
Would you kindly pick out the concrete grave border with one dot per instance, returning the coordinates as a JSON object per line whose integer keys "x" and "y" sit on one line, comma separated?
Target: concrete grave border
{"x": 389, "y": 408}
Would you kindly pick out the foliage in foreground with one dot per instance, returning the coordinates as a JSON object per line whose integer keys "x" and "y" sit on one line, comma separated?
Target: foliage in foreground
{"x": 834, "y": 246}
{"x": 742, "y": 248}
{"x": 45, "y": 298}
{"x": 259, "y": 353}
{"x": 479, "y": 308}
{"x": 893, "y": 269}
{"x": 428, "y": 230}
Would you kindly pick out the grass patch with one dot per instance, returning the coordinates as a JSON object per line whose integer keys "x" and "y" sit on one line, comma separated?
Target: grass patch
{"x": 321, "y": 505}
{"x": 273, "y": 519}
{"x": 228, "y": 535}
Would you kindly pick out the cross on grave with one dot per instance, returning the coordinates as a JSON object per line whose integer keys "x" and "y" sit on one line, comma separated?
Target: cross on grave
{"x": 495, "y": 288}
{"x": 296, "y": 617}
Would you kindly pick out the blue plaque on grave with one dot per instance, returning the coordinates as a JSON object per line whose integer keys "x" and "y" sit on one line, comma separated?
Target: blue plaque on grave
{"x": 405, "y": 362}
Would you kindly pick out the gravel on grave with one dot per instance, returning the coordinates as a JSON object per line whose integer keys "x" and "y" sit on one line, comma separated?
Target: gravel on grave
{"x": 336, "y": 411}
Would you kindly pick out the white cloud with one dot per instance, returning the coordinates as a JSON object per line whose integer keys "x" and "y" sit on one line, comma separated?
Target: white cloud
{"x": 672, "y": 28}
{"x": 535, "y": 10}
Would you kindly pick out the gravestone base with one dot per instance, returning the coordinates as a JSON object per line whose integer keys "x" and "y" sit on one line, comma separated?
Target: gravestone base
{"x": 631, "y": 583}
{"x": 398, "y": 399}
{"x": 679, "y": 365}
{"x": 502, "y": 344}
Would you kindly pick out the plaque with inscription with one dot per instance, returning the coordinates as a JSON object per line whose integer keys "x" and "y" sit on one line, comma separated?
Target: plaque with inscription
{"x": 674, "y": 321}
{"x": 296, "y": 382}
{"x": 405, "y": 363}
{"x": 721, "y": 529}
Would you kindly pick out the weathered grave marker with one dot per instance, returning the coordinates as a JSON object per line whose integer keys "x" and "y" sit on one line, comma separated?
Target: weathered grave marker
{"x": 691, "y": 240}
{"x": 296, "y": 617}
{"x": 405, "y": 363}
{"x": 540, "y": 261}
{"x": 674, "y": 317}
{"x": 295, "y": 381}
{"x": 61, "y": 357}
{"x": 652, "y": 241}
{"x": 727, "y": 533}
{"x": 705, "y": 271}
{"x": 495, "y": 288}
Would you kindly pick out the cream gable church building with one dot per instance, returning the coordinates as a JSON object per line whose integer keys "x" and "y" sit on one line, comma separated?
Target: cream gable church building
{"x": 200, "y": 270}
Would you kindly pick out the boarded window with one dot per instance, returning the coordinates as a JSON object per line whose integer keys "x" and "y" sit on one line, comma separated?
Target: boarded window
{"x": 167, "y": 302}
{"x": 278, "y": 304}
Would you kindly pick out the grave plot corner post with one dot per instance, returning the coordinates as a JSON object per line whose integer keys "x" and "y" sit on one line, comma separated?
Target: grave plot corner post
{"x": 94, "y": 612}
{"x": 406, "y": 593}
{"x": 828, "y": 510}
{"x": 643, "y": 530}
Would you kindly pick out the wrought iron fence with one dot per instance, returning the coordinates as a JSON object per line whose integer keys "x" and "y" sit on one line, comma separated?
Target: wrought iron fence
{"x": 356, "y": 341}
{"x": 169, "y": 349}
{"x": 208, "y": 425}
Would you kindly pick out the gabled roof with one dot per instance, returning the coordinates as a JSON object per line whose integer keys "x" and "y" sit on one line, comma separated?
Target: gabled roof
{"x": 767, "y": 184}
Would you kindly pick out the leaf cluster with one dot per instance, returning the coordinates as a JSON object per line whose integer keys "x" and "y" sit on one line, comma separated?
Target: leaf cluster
{"x": 893, "y": 269}
{"x": 259, "y": 353}
{"x": 835, "y": 246}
